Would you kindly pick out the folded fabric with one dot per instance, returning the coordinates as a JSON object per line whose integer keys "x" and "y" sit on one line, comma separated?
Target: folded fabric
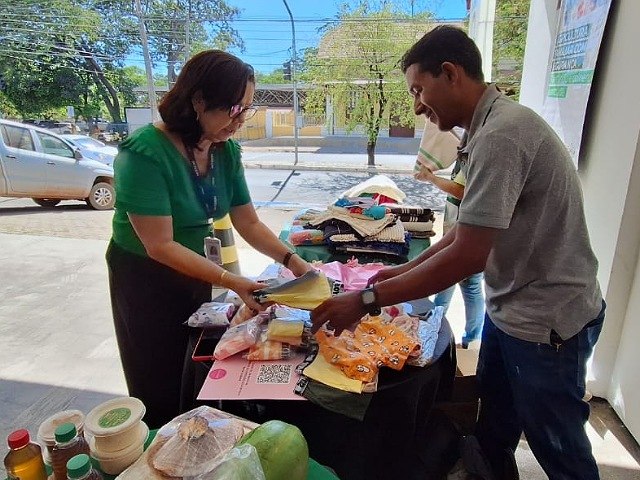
{"x": 363, "y": 227}
{"x": 305, "y": 292}
{"x": 407, "y": 209}
{"x": 349, "y": 404}
{"x": 374, "y": 249}
{"x": 411, "y": 217}
{"x": 298, "y": 235}
{"x": 331, "y": 375}
{"x": 394, "y": 233}
{"x": 418, "y": 226}
{"x": 337, "y": 227}
{"x": 378, "y": 184}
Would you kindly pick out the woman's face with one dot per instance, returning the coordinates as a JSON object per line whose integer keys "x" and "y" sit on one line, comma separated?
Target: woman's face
{"x": 218, "y": 125}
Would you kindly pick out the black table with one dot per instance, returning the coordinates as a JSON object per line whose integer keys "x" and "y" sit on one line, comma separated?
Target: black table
{"x": 392, "y": 441}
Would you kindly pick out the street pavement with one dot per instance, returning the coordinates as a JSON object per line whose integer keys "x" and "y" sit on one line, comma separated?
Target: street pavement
{"x": 57, "y": 345}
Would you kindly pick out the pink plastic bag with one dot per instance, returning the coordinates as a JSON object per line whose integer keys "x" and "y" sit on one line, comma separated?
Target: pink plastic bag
{"x": 353, "y": 275}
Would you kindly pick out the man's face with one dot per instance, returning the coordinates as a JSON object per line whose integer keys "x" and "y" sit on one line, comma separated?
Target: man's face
{"x": 434, "y": 93}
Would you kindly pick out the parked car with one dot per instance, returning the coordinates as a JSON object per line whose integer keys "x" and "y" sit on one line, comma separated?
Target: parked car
{"x": 92, "y": 148}
{"x": 44, "y": 166}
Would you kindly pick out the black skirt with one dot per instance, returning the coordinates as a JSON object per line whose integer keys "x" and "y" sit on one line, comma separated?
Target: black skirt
{"x": 151, "y": 303}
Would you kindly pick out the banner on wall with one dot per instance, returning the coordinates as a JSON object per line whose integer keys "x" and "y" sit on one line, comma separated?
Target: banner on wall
{"x": 573, "y": 60}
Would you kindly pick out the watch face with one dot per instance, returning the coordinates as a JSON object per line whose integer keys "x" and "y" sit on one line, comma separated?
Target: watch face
{"x": 368, "y": 297}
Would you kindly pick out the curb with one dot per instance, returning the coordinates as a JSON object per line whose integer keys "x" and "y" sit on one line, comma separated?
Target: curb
{"x": 328, "y": 168}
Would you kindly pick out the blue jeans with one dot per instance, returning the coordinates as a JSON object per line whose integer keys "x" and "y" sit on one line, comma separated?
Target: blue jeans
{"x": 471, "y": 288}
{"x": 537, "y": 388}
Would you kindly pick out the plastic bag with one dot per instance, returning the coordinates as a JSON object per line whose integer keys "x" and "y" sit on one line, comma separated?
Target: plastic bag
{"x": 212, "y": 314}
{"x": 240, "y": 463}
{"x": 195, "y": 443}
{"x": 305, "y": 292}
{"x": 238, "y": 338}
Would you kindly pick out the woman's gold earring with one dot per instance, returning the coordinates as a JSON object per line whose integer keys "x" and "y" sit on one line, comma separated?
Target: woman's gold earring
{"x": 197, "y": 117}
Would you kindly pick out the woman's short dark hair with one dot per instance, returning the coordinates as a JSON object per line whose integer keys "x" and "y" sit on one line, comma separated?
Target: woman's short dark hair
{"x": 444, "y": 43}
{"x": 217, "y": 77}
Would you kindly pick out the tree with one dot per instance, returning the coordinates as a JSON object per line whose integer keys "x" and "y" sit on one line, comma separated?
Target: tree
{"x": 509, "y": 39}
{"x": 357, "y": 67}
{"x": 203, "y": 23}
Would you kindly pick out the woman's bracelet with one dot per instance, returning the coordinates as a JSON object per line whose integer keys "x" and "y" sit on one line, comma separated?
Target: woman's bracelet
{"x": 224, "y": 272}
{"x": 287, "y": 258}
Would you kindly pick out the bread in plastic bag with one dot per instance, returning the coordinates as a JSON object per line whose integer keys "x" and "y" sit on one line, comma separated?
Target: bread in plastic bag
{"x": 197, "y": 445}
{"x": 239, "y": 463}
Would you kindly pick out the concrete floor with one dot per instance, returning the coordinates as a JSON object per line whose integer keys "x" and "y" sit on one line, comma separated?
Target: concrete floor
{"x": 58, "y": 351}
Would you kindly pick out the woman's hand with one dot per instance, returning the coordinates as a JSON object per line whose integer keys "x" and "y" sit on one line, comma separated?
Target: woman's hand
{"x": 245, "y": 289}
{"x": 298, "y": 266}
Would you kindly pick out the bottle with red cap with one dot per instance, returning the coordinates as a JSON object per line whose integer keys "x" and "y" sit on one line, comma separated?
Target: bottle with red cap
{"x": 24, "y": 460}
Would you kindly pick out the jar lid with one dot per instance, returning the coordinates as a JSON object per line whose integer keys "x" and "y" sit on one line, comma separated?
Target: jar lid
{"x": 78, "y": 466}
{"x": 114, "y": 416}
{"x": 46, "y": 432}
{"x": 18, "y": 439}
{"x": 66, "y": 432}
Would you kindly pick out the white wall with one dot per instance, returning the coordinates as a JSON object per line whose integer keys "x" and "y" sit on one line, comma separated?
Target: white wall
{"x": 609, "y": 169}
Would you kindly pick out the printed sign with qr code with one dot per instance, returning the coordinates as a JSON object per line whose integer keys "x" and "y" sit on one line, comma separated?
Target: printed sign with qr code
{"x": 277, "y": 373}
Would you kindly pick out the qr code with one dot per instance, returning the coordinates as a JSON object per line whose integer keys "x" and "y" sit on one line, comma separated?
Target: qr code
{"x": 274, "y": 374}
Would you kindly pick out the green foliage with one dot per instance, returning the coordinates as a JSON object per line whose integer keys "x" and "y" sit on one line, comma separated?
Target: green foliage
{"x": 208, "y": 27}
{"x": 72, "y": 52}
{"x": 509, "y": 39}
{"x": 274, "y": 77}
{"x": 357, "y": 66}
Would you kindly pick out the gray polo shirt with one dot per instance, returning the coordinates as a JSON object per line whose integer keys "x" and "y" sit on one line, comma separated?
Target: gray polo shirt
{"x": 541, "y": 272}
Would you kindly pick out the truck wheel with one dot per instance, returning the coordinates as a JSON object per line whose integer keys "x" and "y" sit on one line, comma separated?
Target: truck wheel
{"x": 102, "y": 196}
{"x": 46, "y": 202}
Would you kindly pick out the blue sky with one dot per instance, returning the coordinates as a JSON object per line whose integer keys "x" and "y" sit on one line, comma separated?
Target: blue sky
{"x": 265, "y": 28}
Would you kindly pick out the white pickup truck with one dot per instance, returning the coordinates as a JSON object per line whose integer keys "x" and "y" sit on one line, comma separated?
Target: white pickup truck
{"x": 38, "y": 164}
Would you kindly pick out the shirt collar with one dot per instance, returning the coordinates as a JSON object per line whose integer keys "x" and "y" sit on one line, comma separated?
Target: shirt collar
{"x": 480, "y": 114}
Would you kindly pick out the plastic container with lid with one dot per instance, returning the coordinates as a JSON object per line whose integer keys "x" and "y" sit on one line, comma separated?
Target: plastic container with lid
{"x": 115, "y": 463}
{"x": 79, "y": 468}
{"x": 46, "y": 432}
{"x": 68, "y": 445}
{"x": 114, "y": 425}
{"x": 24, "y": 460}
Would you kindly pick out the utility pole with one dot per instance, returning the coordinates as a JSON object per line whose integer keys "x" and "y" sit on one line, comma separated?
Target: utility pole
{"x": 187, "y": 47}
{"x": 293, "y": 79}
{"x": 153, "y": 103}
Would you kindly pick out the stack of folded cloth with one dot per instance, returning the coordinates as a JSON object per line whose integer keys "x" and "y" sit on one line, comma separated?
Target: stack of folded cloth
{"x": 354, "y": 229}
{"x": 418, "y": 221}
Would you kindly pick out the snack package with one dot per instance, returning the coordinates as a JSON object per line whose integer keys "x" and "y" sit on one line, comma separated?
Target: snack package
{"x": 238, "y": 338}
{"x": 269, "y": 350}
{"x": 284, "y": 330}
{"x": 212, "y": 314}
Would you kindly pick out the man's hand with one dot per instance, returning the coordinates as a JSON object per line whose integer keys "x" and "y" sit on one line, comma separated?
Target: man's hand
{"x": 342, "y": 311}
{"x": 386, "y": 274}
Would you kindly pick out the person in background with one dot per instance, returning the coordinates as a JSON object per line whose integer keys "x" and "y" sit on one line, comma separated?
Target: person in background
{"x": 470, "y": 287}
{"x": 172, "y": 178}
{"x": 522, "y": 221}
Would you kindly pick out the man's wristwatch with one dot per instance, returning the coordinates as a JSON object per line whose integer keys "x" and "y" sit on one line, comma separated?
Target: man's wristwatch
{"x": 368, "y": 296}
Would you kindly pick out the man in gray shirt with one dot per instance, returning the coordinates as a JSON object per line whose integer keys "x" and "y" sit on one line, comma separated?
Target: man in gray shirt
{"x": 522, "y": 222}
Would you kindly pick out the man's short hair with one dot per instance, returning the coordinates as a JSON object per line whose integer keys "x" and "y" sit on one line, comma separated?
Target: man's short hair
{"x": 444, "y": 43}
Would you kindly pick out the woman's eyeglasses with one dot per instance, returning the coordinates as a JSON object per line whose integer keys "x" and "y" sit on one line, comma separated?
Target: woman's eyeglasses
{"x": 244, "y": 113}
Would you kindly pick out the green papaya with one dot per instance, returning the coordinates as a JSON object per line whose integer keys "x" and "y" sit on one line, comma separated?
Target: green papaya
{"x": 283, "y": 450}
